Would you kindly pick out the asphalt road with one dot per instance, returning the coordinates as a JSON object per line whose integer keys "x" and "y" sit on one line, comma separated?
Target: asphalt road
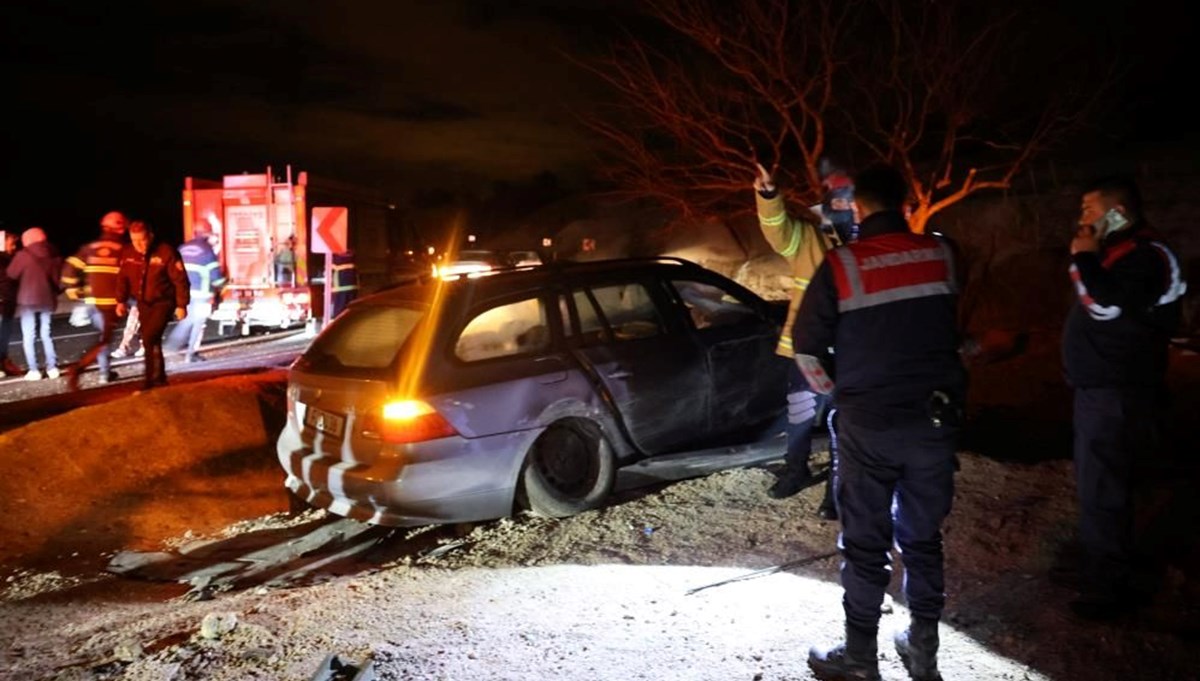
{"x": 70, "y": 342}
{"x": 22, "y": 401}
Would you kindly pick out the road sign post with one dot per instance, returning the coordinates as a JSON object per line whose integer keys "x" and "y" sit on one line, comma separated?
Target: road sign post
{"x": 329, "y": 229}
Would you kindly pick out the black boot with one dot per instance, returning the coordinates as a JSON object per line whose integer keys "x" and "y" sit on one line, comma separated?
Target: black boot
{"x": 918, "y": 646}
{"x": 792, "y": 480}
{"x": 827, "y": 510}
{"x": 855, "y": 660}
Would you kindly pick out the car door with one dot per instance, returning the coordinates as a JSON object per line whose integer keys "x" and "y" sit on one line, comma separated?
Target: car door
{"x": 738, "y": 336}
{"x": 648, "y": 364}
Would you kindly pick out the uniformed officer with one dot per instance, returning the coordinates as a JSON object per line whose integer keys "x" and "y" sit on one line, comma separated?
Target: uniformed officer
{"x": 345, "y": 282}
{"x": 205, "y": 279}
{"x": 886, "y": 305}
{"x": 1129, "y": 288}
{"x": 152, "y": 274}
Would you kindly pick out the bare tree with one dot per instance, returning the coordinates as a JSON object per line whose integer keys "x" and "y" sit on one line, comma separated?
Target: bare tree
{"x": 732, "y": 85}
{"x": 781, "y": 82}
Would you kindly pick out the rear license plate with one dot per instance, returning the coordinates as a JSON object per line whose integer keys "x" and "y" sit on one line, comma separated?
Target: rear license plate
{"x": 325, "y": 422}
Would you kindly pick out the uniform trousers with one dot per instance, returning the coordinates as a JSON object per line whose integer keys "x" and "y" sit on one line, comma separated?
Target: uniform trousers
{"x": 893, "y": 485}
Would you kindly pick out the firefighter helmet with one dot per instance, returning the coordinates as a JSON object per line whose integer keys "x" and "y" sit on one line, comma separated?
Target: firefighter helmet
{"x": 114, "y": 222}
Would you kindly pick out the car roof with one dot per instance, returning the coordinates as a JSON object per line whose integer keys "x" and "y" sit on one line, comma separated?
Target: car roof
{"x": 501, "y": 280}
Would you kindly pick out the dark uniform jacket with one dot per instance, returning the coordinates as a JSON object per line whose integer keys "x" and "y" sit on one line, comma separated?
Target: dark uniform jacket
{"x": 1127, "y": 306}
{"x": 345, "y": 275}
{"x": 8, "y": 288}
{"x": 91, "y": 274}
{"x": 888, "y": 304}
{"x": 154, "y": 277}
{"x": 203, "y": 268}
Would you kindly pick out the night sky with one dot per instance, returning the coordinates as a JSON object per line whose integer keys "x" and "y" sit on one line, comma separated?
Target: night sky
{"x": 113, "y": 107}
{"x": 110, "y": 105}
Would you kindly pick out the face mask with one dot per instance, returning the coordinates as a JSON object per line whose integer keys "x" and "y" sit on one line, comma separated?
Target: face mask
{"x": 838, "y": 209}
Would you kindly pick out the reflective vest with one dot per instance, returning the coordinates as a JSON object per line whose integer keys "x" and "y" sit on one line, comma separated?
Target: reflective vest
{"x": 891, "y": 268}
{"x": 345, "y": 276}
{"x": 91, "y": 274}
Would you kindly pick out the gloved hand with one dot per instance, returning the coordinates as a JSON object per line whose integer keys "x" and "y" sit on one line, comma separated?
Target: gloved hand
{"x": 763, "y": 184}
{"x": 180, "y": 313}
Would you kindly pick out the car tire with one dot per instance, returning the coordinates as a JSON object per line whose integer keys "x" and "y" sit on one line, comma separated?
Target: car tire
{"x": 569, "y": 469}
{"x": 296, "y": 505}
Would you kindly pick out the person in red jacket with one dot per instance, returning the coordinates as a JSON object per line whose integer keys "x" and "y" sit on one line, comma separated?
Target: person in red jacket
{"x": 152, "y": 273}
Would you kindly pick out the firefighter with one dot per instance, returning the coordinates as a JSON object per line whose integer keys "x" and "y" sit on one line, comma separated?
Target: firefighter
{"x": 285, "y": 262}
{"x": 345, "y": 282}
{"x": 878, "y": 328}
{"x": 91, "y": 276}
{"x": 803, "y": 242}
{"x": 152, "y": 274}
{"x": 205, "y": 279}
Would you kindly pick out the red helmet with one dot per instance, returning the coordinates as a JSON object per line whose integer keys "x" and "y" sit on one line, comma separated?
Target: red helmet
{"x": 114, "y": 222}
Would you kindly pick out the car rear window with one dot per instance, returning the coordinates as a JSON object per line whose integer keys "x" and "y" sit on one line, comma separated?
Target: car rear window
{"x": 364, "y": 337}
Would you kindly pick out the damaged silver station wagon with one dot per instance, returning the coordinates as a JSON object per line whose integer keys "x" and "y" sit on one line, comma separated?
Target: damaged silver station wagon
{"x": 525, "y": 389}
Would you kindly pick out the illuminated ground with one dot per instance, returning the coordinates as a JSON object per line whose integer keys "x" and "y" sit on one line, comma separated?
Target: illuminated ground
{"x": 604, "y": 595}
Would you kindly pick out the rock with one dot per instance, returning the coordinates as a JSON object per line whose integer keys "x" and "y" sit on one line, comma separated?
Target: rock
{"x": 128, "y": 651}
{"x": 217, "y": 624}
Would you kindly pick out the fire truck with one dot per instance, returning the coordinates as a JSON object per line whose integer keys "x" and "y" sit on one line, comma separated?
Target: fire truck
{"x": 262, "y": 224}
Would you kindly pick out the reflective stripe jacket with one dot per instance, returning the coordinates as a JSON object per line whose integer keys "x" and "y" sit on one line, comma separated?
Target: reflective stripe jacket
{"x": 345, "y": 276}
{"x": 880, "y": 317}
{"x": 1127, "y": 306}
{"x": 803, "y": 243}
{"x": 156, "y": 276}
{"x": 91, "y": 274}
{"x": 204, "y": 273}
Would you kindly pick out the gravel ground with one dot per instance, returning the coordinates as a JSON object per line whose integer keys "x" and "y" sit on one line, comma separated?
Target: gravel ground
{"x": 626, "y": 592}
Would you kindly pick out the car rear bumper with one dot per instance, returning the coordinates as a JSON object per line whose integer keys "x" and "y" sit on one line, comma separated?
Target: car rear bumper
{"x": 439, "y": 481}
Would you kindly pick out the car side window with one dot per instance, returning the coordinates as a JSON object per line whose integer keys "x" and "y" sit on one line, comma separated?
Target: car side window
{"x": 513, "y": 329}
{"x": 629, "y": 310}
{"x": 592, "y": 329}
{"x": 710, "y": 305}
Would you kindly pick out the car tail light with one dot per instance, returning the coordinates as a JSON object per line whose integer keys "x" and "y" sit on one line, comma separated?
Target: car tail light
{"x": 413, "y": 421}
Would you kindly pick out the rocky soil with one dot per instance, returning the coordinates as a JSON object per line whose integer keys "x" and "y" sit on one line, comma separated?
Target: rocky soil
{"x": 705, "y": 578}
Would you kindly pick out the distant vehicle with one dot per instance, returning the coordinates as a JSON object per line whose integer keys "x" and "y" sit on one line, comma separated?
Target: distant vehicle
{"x": 470, "y": 262}
{"x": 264, "y": 232}
{"x": 468, "y": 399}
{"x": 524, "y": 258}
{"x": 475, "y": 262}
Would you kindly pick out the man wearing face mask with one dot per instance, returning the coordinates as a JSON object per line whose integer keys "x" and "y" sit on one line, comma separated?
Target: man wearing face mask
{"x": 1128, "y": 286}
{"x": 803, "y": 242}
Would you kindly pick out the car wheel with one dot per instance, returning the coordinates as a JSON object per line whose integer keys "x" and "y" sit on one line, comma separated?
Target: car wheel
{"x": 569, "y": 469}
{"x": 296, "y": 505}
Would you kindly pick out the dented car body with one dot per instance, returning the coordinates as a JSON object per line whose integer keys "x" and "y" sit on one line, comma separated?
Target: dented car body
{"x": 464, "y": 400}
